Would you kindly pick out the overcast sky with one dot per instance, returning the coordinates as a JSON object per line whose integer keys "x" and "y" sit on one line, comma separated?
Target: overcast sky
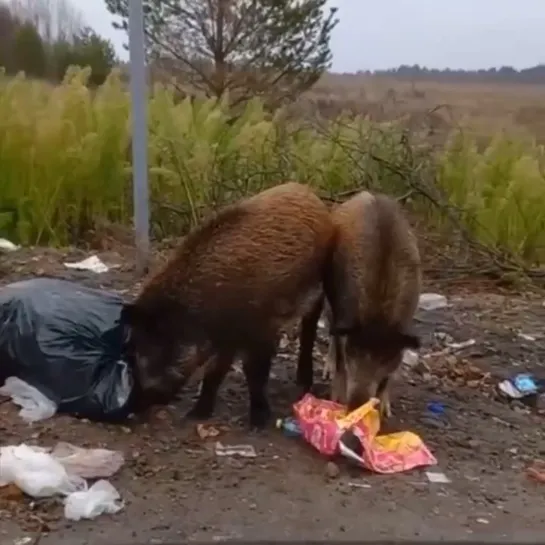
{"x": 375, "y": 34}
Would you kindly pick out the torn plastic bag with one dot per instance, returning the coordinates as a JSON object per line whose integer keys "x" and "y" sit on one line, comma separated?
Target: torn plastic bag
{"x": 67, "y": 341}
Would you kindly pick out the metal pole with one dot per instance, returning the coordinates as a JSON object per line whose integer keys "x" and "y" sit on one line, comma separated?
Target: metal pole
{"x": 139, "y": 133}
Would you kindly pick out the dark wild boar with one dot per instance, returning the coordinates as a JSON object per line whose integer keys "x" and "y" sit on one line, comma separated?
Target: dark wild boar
{"x": 372, "y": 287}
{"x": 232, "y": 286}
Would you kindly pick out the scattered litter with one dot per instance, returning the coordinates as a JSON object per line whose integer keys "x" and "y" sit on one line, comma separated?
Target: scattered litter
{"x": 483, "y": 521}
{"x": 436, "y": 407}
{"x": 526, "y": 337}
{"x": 450, "y": 348}
{"x": 205, "y": 432}
{"x": 289, "y": 426}
{"x": 537, "y": 471}
{"x": 509, "y": 389}
{"x": 462, "y": 345}
{"x": 23, "y": 540}
{"x": 321, "y": 323}
{"x": 431, "y": 301}
{"x": 525, "y": 384}
{"x": 89, "y": 463}
{"x": 437, "y": 477}
{"x": 245, "y": 451}
{"x": 7, "y": 246}
{"x": 325, "y": 423}
{"x": 34, "y": 405}
{"x": 67, "y": 341}
{"x": 502, "y": 422}
{"x": 42, "y": 474}
{"x": 93, "y": 264}
{"x": 443, "y": 337}
{"x": 358, "y": 485}
{"x": 101, "y": 498}
{"x": 36, "y": 473}
{"x": 522, "y": 386}
{"x": 410, "y": 358}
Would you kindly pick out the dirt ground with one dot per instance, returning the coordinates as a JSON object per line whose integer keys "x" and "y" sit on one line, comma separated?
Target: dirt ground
{"x": 175, "y": 486}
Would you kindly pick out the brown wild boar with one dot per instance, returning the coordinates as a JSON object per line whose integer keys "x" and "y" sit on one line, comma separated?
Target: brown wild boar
{"x": 234, "y": 283}
{"x": 372, "y": 289}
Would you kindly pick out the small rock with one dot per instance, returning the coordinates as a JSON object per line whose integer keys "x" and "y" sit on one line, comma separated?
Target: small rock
{"x": 284, "y": 342}
{"x": 451, "y": 360}
{"x": 332, "y": 470}
{"x": 410, "y": 358}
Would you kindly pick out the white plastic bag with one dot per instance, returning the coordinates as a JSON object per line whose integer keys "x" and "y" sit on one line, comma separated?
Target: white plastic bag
{"x": 7, "y": 246}
{"x": 101, "y": 498}
{"x": 432, "y": 301}
{"x": 35, "y": 405}
{"x": 92, "y": 263}
{"x": 89, "y": 463}
{"x": 36, "y": 472}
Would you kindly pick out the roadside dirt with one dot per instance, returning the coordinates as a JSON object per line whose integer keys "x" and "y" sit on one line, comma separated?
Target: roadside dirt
{"x": 175, "y": 487}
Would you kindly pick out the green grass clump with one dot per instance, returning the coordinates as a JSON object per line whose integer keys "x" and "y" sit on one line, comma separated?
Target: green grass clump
{"x": 500, "y": 193}
{"x": 65, "y": 164}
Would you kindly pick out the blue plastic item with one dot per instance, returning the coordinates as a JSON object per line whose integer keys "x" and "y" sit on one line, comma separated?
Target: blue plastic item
{"x": 289, "y": 426}
{"x": 525, "y": 383}
{"x": 436, "y": 408}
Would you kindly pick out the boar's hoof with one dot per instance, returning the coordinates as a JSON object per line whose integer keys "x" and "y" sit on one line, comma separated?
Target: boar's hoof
{"x": 385, "y": 409}
{"x": 260, "y": 416}
{"x": 200, "y": 411}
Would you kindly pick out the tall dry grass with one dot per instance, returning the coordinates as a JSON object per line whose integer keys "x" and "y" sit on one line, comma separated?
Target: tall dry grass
{"x": 65, "y": 164}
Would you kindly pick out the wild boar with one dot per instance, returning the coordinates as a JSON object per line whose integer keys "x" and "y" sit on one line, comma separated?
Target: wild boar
{"x": 229, "y": 290}
{"x": 372, "y": 287}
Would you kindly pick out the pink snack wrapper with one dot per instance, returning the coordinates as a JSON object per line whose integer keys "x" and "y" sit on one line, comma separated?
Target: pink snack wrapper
{"x": 323, "y": 422}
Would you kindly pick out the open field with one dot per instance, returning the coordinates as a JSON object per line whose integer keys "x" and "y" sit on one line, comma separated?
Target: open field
{"x": 485, "y": 107}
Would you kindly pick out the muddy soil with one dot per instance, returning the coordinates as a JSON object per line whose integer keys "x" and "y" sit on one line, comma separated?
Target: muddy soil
{"x": 175, "y": 487}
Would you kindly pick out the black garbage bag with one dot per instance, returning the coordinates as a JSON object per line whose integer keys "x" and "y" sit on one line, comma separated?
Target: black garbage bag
{"x": 67, "y": 341}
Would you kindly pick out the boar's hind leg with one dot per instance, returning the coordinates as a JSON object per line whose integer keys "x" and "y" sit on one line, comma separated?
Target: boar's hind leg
{"x": 257, "y": 367}
{"x": 305, "y": 365}
{"x": 206, "y": 402}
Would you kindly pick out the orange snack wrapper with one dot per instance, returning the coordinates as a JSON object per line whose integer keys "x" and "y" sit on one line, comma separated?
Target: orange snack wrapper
{"x": 323, "y": 422}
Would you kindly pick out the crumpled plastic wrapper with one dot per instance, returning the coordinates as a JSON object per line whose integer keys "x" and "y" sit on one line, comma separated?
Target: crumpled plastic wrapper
{"x": 324, "y": 422}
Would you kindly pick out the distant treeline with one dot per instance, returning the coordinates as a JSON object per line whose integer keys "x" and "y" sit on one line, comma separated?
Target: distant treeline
{"x": 28, "y": 44}
{"x": 505, "y": 74}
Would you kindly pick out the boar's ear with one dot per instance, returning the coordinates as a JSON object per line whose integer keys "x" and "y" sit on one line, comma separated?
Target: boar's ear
{"x": 407, "y": 340}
